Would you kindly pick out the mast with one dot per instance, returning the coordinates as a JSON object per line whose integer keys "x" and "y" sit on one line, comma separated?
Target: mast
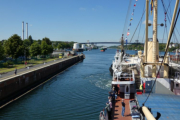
{"x": 22, "y": 30}
{"x": 122, "y": 47}
{"x": 144, "y": 58}
{"x": 166, "y": 69}
{"x": 155, "y": 57}
{"x": 26, "y": 30}
{"x": 172, "y": 23}
{"x": 146, "y": 43}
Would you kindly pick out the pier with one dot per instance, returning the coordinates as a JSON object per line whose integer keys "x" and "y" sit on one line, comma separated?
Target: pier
{"x": 12, "y": 86}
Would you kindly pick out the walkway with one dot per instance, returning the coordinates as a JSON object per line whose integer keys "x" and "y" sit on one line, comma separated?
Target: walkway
{"x": 118, "y": 109}
{"x": 24, "y": 70}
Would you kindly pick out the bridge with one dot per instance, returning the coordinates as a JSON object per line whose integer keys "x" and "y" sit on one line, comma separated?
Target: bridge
{"x": 108, "y": 43}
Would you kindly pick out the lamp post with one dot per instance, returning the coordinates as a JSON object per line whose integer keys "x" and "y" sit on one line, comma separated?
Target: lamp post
{"x": 25, "y": 56}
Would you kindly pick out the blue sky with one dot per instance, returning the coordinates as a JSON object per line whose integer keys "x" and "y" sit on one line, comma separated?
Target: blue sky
{"x": 75, "y": 20}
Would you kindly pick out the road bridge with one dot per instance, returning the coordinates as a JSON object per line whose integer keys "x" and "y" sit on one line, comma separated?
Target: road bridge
{"x": 107, "y": 43}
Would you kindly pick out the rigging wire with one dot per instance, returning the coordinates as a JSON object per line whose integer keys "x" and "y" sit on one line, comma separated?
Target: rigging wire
{"x": 163, "y": 57}
{"x": 141, "y": 22}
{"x": 137, "y": 27}
{"x": 163, "y": 34}
{"x": 168, "y": 15}
{"x": 143, "y": 36}
{"x": 169, "y": 6}
{"x": 127, "y": 16}
{"x": 174, "y": 34}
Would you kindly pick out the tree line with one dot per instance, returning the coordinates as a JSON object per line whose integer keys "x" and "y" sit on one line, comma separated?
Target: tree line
{"x": 137, "y": 46}
{"x": 15, "y": 47}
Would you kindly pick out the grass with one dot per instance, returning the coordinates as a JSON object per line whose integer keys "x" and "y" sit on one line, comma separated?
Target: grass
{"x": 19, "y": 66}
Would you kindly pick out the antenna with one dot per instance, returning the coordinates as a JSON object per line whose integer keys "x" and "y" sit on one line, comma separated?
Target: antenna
{"x": 22, "y": 30}
{"x": 26, "y": 30}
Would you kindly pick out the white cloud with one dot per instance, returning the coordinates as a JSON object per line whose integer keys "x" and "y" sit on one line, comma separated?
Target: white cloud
{"x": 82, "y": 8}
{"x": 149, "y": 21}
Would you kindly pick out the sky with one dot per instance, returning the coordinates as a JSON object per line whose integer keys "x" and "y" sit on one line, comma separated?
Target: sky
{"x": 77, "y": 20}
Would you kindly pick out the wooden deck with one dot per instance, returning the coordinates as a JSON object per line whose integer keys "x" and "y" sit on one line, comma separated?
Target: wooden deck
{"x": 118, "y": 108}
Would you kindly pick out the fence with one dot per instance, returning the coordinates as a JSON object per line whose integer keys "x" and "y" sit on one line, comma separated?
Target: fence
{"x": 10, "y": 63}
{"x": 175, "y": 58}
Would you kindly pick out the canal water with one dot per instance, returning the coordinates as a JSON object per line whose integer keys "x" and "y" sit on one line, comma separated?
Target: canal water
{"x": 79, "y": 93}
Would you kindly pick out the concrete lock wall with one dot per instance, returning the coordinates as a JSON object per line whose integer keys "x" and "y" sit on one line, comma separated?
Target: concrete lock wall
{"x": 13, "y": 87}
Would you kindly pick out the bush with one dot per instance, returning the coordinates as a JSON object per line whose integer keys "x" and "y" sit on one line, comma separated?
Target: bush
{"x": 10, "y": 62}
{"x": 5, "y": 64}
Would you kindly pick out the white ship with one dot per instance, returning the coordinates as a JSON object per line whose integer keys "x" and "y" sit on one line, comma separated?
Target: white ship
{"x": 144, "y": 74}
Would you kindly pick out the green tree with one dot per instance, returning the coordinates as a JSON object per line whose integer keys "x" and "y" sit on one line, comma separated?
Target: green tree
{"x": 26, "y": 51}
{"x": 39, "y": 41}
{"x": 35, "y": 49}
{"x": 59, "y": 46}
{"x": 162, "y": 46}
{"x": 47, "y": 40}
{"x": 50, "y": 48}
{"x": 71, "y": 44}
{"x": 44, "y": 48}
{"x": 172, "y": 49}
{"x": 1, "y": 51}
{"x": 30, "y": 39}
{"x": 14, "y": 46}
{"x": 55, "y": 45}
{"x": 26, "y": 43}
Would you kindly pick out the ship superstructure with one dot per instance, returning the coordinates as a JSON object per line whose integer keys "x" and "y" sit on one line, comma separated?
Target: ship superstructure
{"x": 148, "y": 68}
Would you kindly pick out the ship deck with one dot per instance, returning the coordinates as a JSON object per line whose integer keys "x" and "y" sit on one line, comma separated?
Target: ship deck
{"x": 166, "y": 104}
{"x": 118, "y": 108}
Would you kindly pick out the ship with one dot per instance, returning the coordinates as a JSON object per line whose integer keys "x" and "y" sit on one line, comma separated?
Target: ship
{"x": 102, "y": 49}
{"x": 141, "y": 84}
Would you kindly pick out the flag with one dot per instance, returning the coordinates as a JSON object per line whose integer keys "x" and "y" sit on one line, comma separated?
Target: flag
{"x": 136, "y": 0}
{"x": 135, "y": 5}
{"x": 128, "y": 29}
{"x": 151, "y": 6}
{"x": 128, "y": 33}
{"x": 131, "y": 19}
{"x": 130, "y": 24}
{"x": 132, "y": 13}
{"x": 133, "y": 10}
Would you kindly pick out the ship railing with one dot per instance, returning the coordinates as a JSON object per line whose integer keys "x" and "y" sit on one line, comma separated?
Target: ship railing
{"x": 104, "y": 115}
{"x": 177, "y": 75}
{"x": 133, "y": 75}
{"x": 130, "y": 77}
